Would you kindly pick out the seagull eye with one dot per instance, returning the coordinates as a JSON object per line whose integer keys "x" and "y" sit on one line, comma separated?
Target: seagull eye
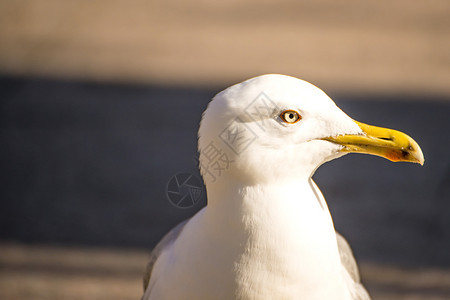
{"x": 290, "y": 116}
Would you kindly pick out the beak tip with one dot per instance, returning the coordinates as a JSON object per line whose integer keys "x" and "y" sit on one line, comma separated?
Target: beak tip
{"x": 417, "y": 153}
{"x": 421, "y": 159}
{"x": 417, "y": 157}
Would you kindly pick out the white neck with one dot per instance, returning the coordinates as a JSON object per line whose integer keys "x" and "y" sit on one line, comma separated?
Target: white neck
{"x": 283, "y": 236}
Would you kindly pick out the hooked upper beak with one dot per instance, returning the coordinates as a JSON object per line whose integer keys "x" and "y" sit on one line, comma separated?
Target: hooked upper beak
{"x": 388, "y": 143}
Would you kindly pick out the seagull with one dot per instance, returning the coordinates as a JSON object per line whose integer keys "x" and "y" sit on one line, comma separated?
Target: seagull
{"x": 266, "y": 232}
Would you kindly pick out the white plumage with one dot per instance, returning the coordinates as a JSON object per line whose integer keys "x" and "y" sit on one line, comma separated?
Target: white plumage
{"x": 266, "y": 232}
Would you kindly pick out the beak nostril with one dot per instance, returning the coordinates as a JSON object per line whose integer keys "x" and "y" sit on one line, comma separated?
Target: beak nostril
{"x": 386, "y": 138}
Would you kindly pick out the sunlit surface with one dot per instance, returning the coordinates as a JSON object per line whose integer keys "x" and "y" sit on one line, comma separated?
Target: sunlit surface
{"x": 53, "y": 273}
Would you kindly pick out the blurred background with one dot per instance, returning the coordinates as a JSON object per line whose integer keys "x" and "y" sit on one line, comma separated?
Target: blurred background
{"x": 89, "y": 91}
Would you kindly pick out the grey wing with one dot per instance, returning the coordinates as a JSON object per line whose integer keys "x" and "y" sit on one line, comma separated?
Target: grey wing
{"x": 167, "y": 240}
{"x": 349, "y": 263}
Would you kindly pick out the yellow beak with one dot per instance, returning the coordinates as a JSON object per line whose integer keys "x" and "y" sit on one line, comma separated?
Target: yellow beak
{"x": 388, "y": 143}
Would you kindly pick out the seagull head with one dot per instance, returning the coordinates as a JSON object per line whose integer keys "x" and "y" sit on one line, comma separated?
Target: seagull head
{"x": 276, "y": 127}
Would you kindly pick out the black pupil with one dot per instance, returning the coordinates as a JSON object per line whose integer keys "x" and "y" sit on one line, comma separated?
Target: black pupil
{"x": 291, "y": 116}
